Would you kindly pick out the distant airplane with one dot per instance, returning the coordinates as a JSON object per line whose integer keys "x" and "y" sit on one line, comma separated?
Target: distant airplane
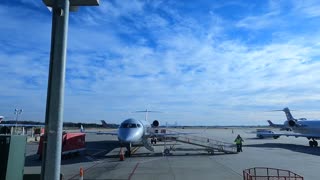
{"x": 137, "y": 131}
{"x": 301, "y": 128}
{"x": 281, "y": 126}
{"x": 104, "y": 124}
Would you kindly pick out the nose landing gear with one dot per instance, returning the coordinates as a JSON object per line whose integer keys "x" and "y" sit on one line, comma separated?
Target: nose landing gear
{"x": 128, "y": 151}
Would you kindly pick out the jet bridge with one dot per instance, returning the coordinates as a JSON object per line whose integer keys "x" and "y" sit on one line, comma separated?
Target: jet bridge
{"x": 207, "y": 144}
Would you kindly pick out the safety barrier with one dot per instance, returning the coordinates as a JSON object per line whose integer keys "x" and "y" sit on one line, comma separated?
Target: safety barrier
{"x": 264, "y": 173}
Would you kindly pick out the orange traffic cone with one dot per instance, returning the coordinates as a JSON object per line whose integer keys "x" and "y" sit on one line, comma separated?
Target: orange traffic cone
{"x": 121, "y": 155}
{"x": 81, "y": 174}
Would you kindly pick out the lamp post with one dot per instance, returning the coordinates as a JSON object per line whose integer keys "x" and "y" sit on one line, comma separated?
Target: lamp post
{"x": 17, "y": 112}
{"x": 50, "y": 169}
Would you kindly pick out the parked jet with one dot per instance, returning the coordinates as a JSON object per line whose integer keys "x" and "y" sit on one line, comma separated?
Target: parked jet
{"x": 137, "y": 131}
{"x": 302, "y": 128}
{"x": 281, "y": 126}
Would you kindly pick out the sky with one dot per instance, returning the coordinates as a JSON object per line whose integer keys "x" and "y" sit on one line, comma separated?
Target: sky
{"x": 205, "y": 62}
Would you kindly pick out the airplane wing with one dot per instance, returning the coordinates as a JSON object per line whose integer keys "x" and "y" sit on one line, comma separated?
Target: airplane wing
{"x": 100, "y": 132}
{"x": 107, "y": 133}
{"x": 316, "y": 136}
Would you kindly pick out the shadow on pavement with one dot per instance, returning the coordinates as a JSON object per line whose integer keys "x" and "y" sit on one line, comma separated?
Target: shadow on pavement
{"x": 291, "y": 147}
{"x": 93, "y": 149}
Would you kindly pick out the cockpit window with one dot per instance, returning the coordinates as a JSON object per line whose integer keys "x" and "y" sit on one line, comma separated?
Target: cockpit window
{"x": 124, "y": 125}
{"x": 129, "y": 125}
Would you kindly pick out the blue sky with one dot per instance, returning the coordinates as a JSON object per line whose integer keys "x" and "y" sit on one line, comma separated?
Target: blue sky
{"x": 199, "y": 62}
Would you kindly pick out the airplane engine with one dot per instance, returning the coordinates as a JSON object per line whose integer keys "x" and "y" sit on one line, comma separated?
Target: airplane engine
{"x": 155, "y": 123}
{"x": 292, "y": 123}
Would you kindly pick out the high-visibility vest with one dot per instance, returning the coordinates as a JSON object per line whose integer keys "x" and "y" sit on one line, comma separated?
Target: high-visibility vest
{"x": 238, "y": 141}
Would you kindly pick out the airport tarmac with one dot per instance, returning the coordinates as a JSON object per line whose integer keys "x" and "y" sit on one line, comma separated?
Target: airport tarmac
{"x": 101, "y": 160}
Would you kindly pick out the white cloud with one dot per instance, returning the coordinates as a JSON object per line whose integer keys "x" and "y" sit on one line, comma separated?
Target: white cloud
{"x": 307, "y": 8}
{"x": 268, "y": 20}
{"x": 189, "y": 68}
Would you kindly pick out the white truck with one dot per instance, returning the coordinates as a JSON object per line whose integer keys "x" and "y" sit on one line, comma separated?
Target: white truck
{"x": 266, "y": 133}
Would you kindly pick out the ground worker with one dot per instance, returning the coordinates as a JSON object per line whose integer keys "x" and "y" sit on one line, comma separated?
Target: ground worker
{"x": 238, "y": 142}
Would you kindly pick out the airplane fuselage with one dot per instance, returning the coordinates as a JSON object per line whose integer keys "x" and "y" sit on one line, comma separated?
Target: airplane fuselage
{"x": 307, "y": 127}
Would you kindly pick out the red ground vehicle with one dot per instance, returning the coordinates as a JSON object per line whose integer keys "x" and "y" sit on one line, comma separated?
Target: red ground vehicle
{"x": 72, "y": 144}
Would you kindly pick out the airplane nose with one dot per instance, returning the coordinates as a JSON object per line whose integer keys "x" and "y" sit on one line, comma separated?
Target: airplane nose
{"x": 128, "y": 135}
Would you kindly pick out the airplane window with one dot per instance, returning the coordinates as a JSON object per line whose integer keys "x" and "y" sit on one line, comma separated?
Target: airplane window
{"x": 138, "y": 125}
{"x": 128, "y": 125}
{"x": 124, "y": 125}
{"x": 133, "y": 126}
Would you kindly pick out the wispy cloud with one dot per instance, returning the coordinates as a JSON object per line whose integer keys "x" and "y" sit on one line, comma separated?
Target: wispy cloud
{"x": 203, "y": 64}
{"x": 308, "y": 9}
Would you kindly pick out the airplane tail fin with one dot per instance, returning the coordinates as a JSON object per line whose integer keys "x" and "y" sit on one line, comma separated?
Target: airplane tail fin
{"x": 104, "y": 124}
{"x": 1, "y": 118}
{"x": 288, "y": 114}
{"x": 146, "y": 111}
{"x": 270, "y": 123}
{"x": 81, "y": 128}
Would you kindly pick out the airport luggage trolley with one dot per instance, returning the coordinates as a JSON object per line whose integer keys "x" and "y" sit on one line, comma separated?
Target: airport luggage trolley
{"x": 264, "y": 173}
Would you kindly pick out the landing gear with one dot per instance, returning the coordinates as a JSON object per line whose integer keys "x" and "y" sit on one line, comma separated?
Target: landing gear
{"x": 154, "y": 140}
{"x": 313, "y": 143}
{"x": 211, "y": 151}
{"x": 128, "y": 152}
{"x": 167, "y": 152}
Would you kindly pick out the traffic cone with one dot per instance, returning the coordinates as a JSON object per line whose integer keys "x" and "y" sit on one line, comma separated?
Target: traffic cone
{"x": 81, "y": 174}
{"x": 121, "y": 155}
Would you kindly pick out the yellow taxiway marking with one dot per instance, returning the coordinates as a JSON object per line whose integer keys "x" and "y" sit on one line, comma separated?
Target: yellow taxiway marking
{"x": 134, "y": 150}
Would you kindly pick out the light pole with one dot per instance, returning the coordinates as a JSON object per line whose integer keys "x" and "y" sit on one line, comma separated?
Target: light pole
{"x": 17, "y": 112}
{"x": 51, "y": 160}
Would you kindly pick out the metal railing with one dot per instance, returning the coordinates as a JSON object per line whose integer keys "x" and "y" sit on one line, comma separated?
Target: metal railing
{"x": 264, "y": 173}
{"x": 208, "y": 143}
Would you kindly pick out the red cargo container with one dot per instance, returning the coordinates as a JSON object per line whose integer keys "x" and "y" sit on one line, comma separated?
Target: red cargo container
{"x": 71, "y": 143}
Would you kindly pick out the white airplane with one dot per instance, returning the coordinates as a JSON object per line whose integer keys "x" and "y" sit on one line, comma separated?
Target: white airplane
{"x": 281, "y": 126}
{"x": 137, "y": 131}
{"x": 301, "y": 128}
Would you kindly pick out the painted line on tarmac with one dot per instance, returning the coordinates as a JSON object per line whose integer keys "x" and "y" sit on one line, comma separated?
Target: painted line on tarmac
{"x": 153, "y": 159}
{"x": 134, "y": 169}
{"x": 90, "y": 158}
{"x": 99, "y": 152}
